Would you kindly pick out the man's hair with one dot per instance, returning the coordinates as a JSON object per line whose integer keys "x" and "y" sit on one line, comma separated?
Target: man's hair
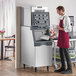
{"x": 61, "y": 8}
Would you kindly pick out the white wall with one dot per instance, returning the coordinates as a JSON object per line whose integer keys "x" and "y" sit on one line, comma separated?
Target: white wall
{"x": 52, "y": 4}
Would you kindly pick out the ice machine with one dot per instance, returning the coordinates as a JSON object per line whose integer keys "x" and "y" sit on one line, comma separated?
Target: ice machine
{"x": 35, "y": 22}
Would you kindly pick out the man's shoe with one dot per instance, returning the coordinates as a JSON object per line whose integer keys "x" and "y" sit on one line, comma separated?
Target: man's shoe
{"x": 59, "y": 70}
{"x": 67, "y": 72}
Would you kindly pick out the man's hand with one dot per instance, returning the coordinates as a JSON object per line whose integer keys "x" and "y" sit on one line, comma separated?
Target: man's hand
{"x": 52, "y": 37}
{"x": 59, "y": 28}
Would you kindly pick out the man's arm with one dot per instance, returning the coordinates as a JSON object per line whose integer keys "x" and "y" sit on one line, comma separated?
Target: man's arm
{"x": 59, "y": 28}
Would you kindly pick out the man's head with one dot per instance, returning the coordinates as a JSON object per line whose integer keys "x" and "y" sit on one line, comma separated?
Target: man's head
{"x": 60, "y": 10}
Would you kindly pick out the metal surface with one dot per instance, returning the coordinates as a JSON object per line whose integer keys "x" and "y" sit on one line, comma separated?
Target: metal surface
{"x": 34, "y": 51}
{"x": 32, "y": 55}
{"x": 43, "y": 55}
{"x": 27, "y": 46}
{"x": 72, "y": 25}
{"x": 40, "y": 23}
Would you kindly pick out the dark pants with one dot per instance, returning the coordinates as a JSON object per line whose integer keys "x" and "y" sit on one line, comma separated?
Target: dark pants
{"x": 64, "y": 55}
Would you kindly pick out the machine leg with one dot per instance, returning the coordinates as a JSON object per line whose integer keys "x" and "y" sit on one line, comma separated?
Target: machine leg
{"x": 24, "y": 66}
{"x": 35, "y": 69}
{"x": 55, "y": 66}
{"x": 47, "y": 68}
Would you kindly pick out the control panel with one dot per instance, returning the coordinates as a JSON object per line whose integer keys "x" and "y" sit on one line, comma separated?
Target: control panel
{"x": 40, "y": 19}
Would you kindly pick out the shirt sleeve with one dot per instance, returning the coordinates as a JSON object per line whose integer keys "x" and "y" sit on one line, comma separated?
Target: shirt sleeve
{"x": 58, "y": 20}
{"x": 66, "y": 24}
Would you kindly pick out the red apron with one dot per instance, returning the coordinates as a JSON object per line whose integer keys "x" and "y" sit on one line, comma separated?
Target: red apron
{"x": 63, "y": 37}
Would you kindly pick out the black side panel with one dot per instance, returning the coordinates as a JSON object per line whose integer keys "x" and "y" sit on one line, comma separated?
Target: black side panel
{"x": 21, "y": 16}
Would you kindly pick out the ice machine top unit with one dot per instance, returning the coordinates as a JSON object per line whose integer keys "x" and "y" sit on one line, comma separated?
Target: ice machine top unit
{"x": 40, "y": 23}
